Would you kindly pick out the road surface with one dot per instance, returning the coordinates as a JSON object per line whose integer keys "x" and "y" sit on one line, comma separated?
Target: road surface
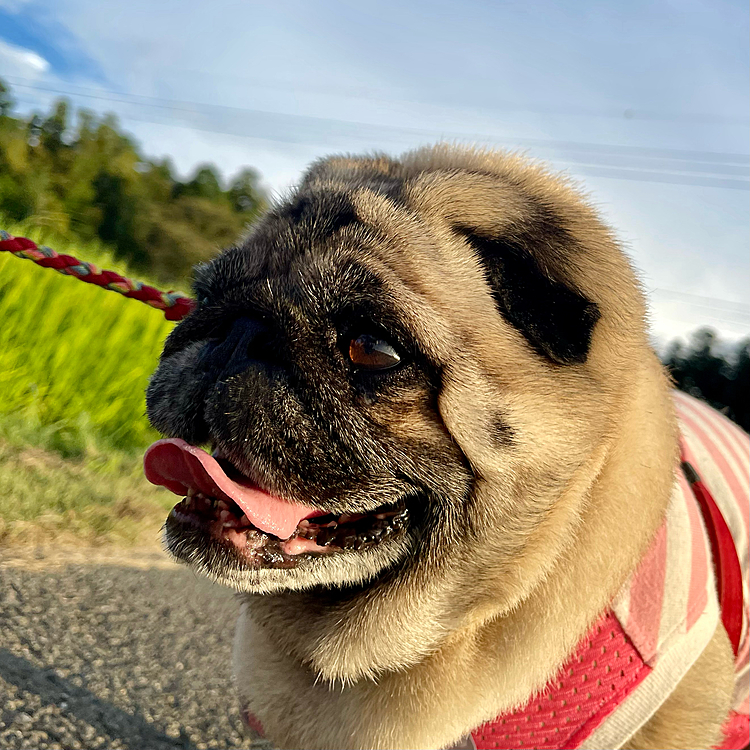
{"x": 116, "y": 656}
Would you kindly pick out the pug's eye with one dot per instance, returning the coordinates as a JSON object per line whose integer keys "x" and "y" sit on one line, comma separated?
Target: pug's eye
{"x": 371, "y": 353}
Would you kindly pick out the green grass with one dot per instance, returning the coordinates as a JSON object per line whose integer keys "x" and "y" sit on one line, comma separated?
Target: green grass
{"x": 74, "y": 358}
{"x": 74, "y": 364}
{"x": 47, "y": 500}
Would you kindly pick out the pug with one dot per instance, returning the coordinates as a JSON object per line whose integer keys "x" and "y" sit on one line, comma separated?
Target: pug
{"x": 438, "y": 450}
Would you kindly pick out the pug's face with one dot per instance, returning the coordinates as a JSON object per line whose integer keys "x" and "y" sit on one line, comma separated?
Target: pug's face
{"x": 389, "y": 376}
{"x": 297, "y": 371}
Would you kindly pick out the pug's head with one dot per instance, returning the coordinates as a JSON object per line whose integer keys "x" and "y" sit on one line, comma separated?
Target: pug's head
{"x": 408, "y": 371}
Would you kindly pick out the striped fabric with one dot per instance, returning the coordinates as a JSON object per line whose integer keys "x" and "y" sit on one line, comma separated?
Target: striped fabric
{"x": 669, "y": 607}
{"x": 721, "y": 452}
{"x": 658, "y": 625}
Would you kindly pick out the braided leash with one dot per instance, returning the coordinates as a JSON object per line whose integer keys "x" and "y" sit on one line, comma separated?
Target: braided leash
{"x": 175, "y": 305}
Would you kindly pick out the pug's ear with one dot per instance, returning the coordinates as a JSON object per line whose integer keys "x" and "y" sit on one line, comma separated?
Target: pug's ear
{"x": 555, "y": 318}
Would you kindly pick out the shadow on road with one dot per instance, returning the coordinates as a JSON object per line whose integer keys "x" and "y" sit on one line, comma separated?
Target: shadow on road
{"x": 133, "y": 730}
{"x": 110, "y": 657}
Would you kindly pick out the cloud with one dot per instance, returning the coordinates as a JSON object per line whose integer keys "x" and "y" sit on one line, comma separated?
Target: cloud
{"x": 14, "y": 6}
{"x": 21, "y": 62}
{"x": 34, "y": 27}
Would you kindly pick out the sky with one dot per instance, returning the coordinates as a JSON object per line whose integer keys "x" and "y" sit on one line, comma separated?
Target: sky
{"x": 645, "y": 104}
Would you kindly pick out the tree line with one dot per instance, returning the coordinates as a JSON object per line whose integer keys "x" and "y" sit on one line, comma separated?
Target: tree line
{"x": 713, "y": 371}
{"x": 80, "y": 176}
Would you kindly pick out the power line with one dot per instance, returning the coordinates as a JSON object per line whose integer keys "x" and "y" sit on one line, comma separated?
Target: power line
{"x": 371, "y": 94}
{"x": 359, "y": 131}
{"x": 667, "y": 165}
{"x": 375, "y": 94}
{"x": 716, "y": 301}
{"x": 664, "y": 153}
{"x": 738, "y": 326}
{"x": 705, "y": 309}
{"x": 663, "y": 177}
{"x": 198, "y": 108}
{"x": 709, "y": 307}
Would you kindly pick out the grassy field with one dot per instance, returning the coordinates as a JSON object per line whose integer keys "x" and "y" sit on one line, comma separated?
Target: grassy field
{"x": 74, "y": 364}
{"x": 49, "y": 500}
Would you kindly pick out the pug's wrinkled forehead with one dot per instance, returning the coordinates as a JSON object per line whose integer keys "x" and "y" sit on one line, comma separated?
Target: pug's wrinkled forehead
{"x": 401, "y": 244}
{"x": 315, "y": 261}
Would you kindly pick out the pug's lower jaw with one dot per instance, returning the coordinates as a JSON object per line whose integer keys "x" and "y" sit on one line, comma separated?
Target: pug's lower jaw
{"x": 248, "y": 560}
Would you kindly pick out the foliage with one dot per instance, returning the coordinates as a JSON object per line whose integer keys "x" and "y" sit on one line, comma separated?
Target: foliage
{"x": 715, "y": 373}
{"x": 89, "y": 181}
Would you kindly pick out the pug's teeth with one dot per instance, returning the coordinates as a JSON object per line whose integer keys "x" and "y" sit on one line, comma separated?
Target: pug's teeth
{"x": 400, "y": 520}
{"x": 222, "y": 505}
{"x": 348, "y": 541}
{"x": 190, "y": 493}
{"x": 274, "y": 557}
{"x": 224, "y": 516}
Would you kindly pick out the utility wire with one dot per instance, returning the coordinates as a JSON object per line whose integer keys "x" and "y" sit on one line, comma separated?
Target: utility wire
{"x": 717, "y": 302}
{"x": 663, "y": 177}
{"x": 195, "y": 108}
{"x": 359, "y": 131}
{"x": 714, "y": 310}
{"x": 654, "y": 163}
{"x": 744, "y": 328}
{"x": 622, "y": 174}
{"x": 387, "y": 97}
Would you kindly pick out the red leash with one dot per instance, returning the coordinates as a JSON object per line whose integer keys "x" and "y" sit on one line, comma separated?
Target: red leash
{"x": 175, "y": 305}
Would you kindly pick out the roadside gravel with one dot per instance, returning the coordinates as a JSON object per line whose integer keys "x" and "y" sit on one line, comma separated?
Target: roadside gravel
{"x": 106, "y": 656}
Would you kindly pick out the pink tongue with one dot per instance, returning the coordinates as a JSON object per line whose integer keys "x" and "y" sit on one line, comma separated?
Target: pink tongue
{"x": 180, "y": 467}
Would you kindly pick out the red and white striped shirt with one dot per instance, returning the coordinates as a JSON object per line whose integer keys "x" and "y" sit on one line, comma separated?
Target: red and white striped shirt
{"x": 660, "y": 621}
{"x": 669, "y": 608}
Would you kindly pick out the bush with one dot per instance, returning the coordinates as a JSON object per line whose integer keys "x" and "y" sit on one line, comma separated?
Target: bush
{"x": 714, "y": 372}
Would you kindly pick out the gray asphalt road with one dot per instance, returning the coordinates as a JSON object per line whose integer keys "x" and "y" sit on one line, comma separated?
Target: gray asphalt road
{"x": 116, "y": 657}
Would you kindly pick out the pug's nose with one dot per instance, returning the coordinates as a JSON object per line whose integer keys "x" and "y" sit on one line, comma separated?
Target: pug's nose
{"x": 249, "y": 343}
